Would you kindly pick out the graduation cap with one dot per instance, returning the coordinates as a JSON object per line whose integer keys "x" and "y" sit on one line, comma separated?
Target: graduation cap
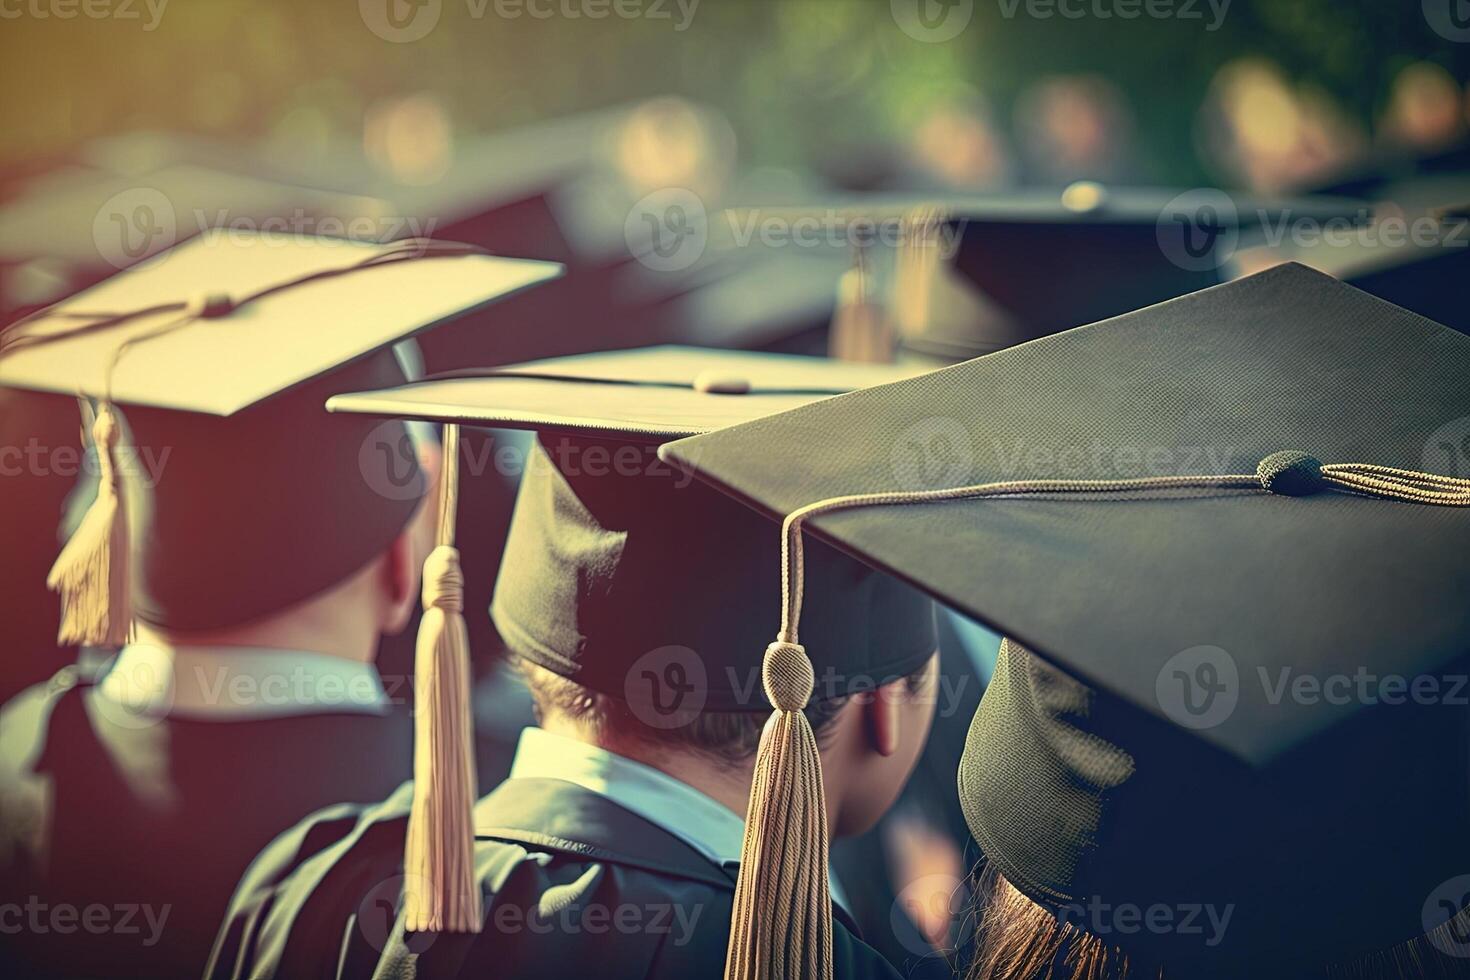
{"x": 1133, "y": 503}
{"x": 222, "y": 351}
{"x": 1429, "y": 281}
{"x": 621, "y": 573}
{"x": 978, "y": 274}
{"x": 73, "y": 227}
{"x": 1400, "y": 175}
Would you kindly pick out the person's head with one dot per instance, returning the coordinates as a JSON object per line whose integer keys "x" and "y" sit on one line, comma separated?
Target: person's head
{"x": 870, "y": 742}
{"x": 642, "y": 604}
{"x": 279, "y": 525}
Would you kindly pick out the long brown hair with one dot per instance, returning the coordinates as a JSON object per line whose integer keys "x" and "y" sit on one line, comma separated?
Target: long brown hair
{"x": 1020, "y": 940}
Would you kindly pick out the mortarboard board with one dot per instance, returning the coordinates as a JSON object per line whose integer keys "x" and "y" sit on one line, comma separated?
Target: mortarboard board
{"x": 71, "y": 228}
{"x": 222, "y": 352}
{"x": 617, "y": 568}
{"x": 1014, "y": 267}
{"x": 1061, "y": 492}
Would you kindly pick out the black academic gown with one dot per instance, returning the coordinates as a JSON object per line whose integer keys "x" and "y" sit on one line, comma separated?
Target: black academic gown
{"x": 147, "y": 828}
{"x": 574, "y": 886}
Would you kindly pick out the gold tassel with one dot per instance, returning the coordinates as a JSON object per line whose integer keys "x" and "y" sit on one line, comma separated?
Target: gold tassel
{"x": 92, "y": 572}
{"x": 860, "y": 329}
{"x": 916, "y": 266}
{"x": 442, "y": 892}
{"x": 781, "y": 925}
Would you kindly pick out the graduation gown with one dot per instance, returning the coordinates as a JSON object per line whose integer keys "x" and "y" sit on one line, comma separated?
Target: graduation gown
{"x": 146, "y": 829}
{"x": 574, "y": 886}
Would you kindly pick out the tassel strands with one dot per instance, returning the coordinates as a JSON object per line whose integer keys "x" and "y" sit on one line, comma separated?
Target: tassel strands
{"x": 442, "y": 891}
{"x": 781, "y": 928}
{"x": 92, "y": 573}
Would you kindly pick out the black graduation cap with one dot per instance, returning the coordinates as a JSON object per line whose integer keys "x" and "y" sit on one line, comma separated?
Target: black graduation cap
{"x": 626, "y": 576}
{"x": 1401, "y": 175}
{"x": 1100, "y": 497}
{"x": 1014, "y": 267}
{"x": 222, "y": 351}
{"x": 1430, "y": 280}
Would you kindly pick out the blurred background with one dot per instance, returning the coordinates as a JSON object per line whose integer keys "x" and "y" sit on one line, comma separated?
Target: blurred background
{"x": 1264, "y": 93}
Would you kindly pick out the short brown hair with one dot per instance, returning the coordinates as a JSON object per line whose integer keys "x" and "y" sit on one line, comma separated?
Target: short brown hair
{"x": 729, "y": 738}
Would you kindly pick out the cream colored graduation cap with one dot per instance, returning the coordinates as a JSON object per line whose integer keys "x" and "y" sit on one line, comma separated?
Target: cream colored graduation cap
{"x": 222, "y": 327}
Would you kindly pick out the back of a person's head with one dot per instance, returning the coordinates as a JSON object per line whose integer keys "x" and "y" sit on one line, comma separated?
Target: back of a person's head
{"x": 237, "y": 519}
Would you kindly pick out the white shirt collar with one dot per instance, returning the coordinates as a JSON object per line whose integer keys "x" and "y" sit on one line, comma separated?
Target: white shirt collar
{"x": 694, "y": 817}
{"x": 239, "y": 683}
